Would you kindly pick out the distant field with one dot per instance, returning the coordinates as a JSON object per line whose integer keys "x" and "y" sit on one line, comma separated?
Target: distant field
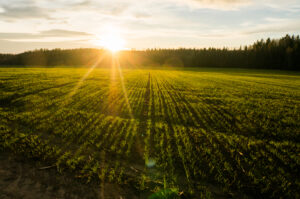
{"x": 204, "y": 132}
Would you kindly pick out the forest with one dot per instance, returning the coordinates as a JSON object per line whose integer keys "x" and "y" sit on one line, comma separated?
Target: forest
{"x": 283, "y": 54}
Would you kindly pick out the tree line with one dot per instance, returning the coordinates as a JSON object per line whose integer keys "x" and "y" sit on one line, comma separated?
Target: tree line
{"x": 283, "y": 53}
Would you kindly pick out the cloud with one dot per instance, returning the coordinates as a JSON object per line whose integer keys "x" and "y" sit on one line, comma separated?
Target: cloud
{"x": 56, "y": 33}
{"x": 279, "y": 26}
{"x": 160, "y": 23}
{"x": 283, "y": 5}
{"x": 222, "y": 2}
{"x": 100, "y": 7}
{"x": 216, "y": 4}
{"x": 23, "y": 12}
{"x": 22, "y": 9}
{"x": 62, "y": 33}
{"x": 85, "y": 3}
{"x": 21, "y": 46}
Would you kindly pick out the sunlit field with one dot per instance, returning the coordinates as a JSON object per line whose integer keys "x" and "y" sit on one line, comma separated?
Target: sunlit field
{"x": 193, "y": 133}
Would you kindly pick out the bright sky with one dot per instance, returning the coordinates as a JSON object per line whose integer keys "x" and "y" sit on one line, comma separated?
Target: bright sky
{"x": 32, "y": 24}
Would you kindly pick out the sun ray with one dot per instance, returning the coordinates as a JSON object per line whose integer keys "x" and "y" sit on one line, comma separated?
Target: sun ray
{"x": 78, "y": 85}
{"x": 116, "y": 65}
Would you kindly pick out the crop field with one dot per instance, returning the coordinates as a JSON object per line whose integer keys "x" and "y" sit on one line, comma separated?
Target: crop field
{"x": 164, "y": 133}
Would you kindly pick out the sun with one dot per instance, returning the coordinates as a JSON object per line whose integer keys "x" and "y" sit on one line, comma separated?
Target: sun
{"x": 111, "y": 40}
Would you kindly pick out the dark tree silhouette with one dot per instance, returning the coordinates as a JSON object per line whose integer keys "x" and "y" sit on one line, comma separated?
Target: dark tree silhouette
{"x": 281, "y": 53}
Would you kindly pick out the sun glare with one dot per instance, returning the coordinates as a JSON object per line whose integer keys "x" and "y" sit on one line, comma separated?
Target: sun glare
{"x": 113, "y": 43}
{"x": 112, "y": 40}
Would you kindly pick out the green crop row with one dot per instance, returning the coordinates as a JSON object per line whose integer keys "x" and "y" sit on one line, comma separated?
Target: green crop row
{"x": 201, "y": 133}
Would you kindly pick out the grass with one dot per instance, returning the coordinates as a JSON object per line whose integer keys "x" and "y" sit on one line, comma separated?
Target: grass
{"x": 201, "y": 132}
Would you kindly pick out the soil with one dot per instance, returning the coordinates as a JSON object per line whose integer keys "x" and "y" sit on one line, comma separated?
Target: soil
{"x": 21, "y": 178}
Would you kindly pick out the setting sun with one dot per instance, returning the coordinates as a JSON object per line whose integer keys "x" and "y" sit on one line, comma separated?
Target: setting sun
{"x": 111, "y": 40}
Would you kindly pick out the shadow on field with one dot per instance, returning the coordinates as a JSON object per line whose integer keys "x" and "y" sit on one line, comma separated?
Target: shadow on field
{"x": 9, "y": 100}
{"x": 24, "y": 179}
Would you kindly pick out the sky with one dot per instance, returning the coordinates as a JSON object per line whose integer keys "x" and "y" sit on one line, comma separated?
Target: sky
{"x": 34, "y": 24}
